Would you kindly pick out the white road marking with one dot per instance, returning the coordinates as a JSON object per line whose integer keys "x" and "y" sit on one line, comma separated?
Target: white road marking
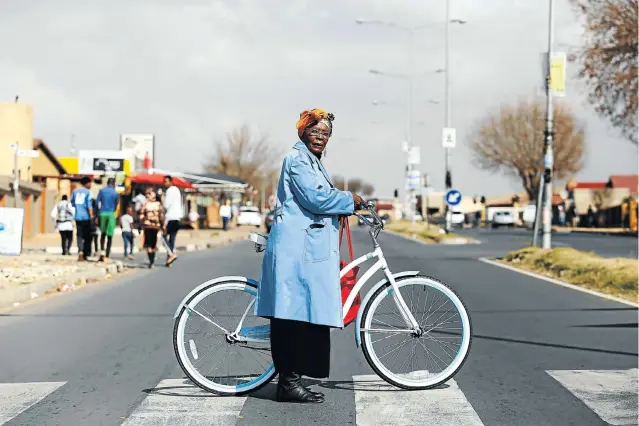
{"x": 378, "y": 403}
{"x": 179, "y": 402}
{"x": 612, "y": 394}
{"x": 18, "y": 397}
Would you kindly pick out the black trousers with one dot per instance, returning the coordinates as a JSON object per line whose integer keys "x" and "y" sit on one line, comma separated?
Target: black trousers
{"x": 301, "y": 347}
{"x": 172, "y": 228}
{"x": 84, "y": 236}
{"x": 67, "y": 238}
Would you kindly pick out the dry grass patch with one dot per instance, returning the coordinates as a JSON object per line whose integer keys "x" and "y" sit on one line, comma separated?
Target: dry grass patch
{"x": 425, "y": 232}
{"x": 614, "y": 276}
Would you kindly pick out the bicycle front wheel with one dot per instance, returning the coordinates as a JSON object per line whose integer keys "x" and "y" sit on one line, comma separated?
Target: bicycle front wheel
{"x": 410, "y": 359}
{"x": 220, "y": 344}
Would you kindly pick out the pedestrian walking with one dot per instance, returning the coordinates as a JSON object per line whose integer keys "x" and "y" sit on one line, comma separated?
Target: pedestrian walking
{"x": 174, "y": 214}
{"x": 107, "y": 202}
{"x": 152, "y": 220}
{"x": 299, "y": 289}
{"x": 225, "y": 214}
{"x": 63, "y": 213}
{"x": 95, "y": 228}
{"x": 82, "y": 203}
{"x": 126, "y": 225}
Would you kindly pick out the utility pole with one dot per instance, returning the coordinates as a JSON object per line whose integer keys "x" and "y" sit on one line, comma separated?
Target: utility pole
{"x": 548, "y": 141}
{"x": 448, "y": 177}
{"x": 16, "y": 175}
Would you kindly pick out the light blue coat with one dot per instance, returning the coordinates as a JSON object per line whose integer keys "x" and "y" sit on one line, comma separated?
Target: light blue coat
{"x": 300, "y": 270}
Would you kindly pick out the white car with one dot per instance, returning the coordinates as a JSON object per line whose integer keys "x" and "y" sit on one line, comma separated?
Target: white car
{"x": 457, "y": 218}
{"x": 249, "y": 216}
{"x": 503, "y": 219}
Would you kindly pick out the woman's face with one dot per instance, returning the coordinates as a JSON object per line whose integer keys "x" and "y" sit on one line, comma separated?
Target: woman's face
{"x": 150, "y": 196}
{"x": 317, "y": 138}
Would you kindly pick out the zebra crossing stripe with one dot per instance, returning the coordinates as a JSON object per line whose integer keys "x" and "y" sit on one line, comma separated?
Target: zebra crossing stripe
{"x": 18, "y": 397}
{"x": 378, "y": 403}
{"x": 612, "y": 394}
{"x": 179, "y": 402}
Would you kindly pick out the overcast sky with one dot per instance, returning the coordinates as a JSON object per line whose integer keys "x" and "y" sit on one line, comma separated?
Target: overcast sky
{"x": 191, "y": 70}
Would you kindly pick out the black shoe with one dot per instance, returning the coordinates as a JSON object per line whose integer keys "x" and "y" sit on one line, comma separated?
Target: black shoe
{"x": 290, "y": 389}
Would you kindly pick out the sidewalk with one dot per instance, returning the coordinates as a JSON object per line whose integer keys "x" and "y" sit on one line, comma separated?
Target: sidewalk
{"x": 41, "y": 269}
{"x": 187, "y": 240}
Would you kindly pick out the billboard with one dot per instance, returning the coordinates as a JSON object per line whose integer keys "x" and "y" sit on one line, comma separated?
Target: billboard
{"x": 142, "y": 146}
{"x": 11, "y": 222}
{"x": 100, "y": 162}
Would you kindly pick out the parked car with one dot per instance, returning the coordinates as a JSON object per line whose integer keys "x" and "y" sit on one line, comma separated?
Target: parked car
{"x": 503, "y": 219}
{"x": 249, "y": 216}
{"x": 268, "y": 220}
{"x": 457, "y": 218}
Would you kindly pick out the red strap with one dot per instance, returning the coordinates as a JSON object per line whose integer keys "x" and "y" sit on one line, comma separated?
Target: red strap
{"x": 343, "y": 223}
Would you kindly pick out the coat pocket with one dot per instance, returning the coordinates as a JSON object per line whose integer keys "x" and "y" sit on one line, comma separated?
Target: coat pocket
{"x": 316, "y": 247}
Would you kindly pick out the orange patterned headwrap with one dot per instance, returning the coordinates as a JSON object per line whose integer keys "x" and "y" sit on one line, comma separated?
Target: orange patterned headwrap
{"x": 309, "y": 118}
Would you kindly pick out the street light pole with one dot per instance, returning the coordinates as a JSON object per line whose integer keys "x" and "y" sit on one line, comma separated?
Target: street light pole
{"x": 411, "y": 40}
{"x": 548, "y": 135}
{"x": 448, "y": 178}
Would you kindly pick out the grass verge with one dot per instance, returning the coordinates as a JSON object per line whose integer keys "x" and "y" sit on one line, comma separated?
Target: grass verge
{"x": 614, "y": 276}
{"x": 425, "y": 232}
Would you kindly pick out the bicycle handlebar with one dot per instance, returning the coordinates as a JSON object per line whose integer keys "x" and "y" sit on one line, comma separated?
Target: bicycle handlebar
{"x": 376, "y": 223}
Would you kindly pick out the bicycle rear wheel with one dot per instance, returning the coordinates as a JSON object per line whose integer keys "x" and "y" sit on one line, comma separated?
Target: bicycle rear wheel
{"x": 394, "y": 350}
{"x": 220, "y": 344}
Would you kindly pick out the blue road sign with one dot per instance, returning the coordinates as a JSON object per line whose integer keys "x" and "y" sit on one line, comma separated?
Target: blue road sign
{"x": 453, "y": 197}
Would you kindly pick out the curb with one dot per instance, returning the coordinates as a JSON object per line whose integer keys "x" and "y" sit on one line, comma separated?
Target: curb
{"x": 559, "y": 282}
{"x": 446, "y": 241}
{"x": 23, "y": 293}
{"x": 120, "y": 250}
{"x": 602, "y": 231}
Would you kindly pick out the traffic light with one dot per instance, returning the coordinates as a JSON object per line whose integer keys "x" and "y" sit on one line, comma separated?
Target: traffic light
{"x": 396, "y": 194}
{"x": 449, "y": 180}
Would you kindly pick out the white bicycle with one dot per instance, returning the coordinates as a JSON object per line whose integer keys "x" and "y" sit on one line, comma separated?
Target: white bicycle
{"x": 403, "y": 319}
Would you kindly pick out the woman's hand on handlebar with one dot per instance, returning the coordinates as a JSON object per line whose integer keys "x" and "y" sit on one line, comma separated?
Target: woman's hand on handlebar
{"x": 358, "y": 201}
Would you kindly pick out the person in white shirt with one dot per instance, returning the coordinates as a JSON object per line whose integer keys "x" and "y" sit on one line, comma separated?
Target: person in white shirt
{"x": 126, "y": 224}
{"x": 63, "y": 213}
{"x": 225, "y": 214}
{"x": 173, "y": 215}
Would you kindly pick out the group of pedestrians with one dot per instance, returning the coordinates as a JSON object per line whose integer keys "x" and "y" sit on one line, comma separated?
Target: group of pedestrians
{"x": 97, "y": 216}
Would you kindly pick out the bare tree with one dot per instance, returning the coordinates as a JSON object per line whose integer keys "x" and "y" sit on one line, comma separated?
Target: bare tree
{"x": 355, "y": 185}
{"x": 338, "y": 181}
{"x": 511, "y": 141}
{"x": 367, "y": 190}
{"x": 253, "y": 159}
{"x": 609, "y": 60}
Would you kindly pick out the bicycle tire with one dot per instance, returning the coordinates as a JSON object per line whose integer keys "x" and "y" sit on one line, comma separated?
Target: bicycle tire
{"x": 365, "y": 340}
{"x": 186, "y": 371}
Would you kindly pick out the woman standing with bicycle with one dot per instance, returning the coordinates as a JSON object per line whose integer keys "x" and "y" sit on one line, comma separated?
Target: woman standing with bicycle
{"x": 299, "y": 289}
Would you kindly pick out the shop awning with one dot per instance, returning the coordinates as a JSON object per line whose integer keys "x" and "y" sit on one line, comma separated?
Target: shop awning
{"x": 158, "y": 179}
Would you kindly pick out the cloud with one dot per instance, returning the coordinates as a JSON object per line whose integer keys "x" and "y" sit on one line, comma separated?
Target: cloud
{"x": 190, "y": 71}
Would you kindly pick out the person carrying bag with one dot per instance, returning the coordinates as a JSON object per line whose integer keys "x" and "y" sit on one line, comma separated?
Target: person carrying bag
{"x": 348, "y": 281}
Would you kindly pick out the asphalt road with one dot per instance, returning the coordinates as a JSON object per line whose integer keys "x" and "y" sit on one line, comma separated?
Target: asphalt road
{"x": 513, "y": 239}
{"x": 103, "y": 355}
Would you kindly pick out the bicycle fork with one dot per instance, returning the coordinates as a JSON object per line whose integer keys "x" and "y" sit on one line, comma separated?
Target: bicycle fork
{"x": 406, "y": 314}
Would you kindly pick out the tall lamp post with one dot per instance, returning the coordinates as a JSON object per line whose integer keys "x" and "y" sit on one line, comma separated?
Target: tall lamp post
{"x": 409, "y": 145}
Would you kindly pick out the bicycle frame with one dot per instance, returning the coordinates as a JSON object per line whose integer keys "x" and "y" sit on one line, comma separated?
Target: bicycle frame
{"x": 383, "y": 265}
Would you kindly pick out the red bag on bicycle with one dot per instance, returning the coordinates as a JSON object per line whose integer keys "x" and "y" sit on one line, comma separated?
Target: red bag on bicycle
{"x": 349, "y": 280}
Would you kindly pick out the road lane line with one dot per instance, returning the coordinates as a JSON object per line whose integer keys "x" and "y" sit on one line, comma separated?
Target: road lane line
{"x": 612, "y": 394}
{"x": 18, "y": 397}
{"x": 378, "y": 403}
{"x": 179, "y": 402}
{"x": 558, "y": 282}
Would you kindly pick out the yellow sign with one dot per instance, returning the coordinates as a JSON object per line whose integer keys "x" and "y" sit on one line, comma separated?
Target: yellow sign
{"x": 558, "y": 74}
